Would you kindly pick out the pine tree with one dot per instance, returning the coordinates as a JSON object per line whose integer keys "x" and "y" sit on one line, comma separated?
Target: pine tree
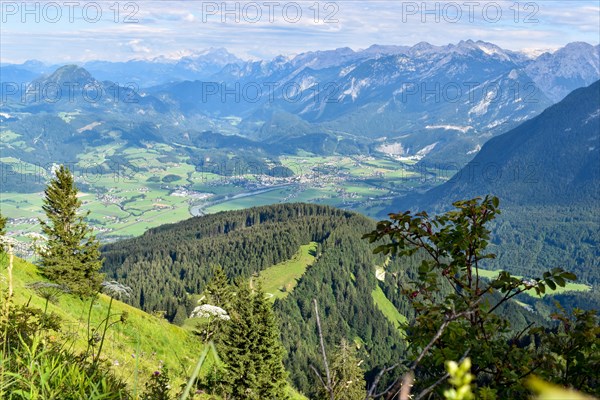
{"x": 346, "y": 375}
{"x": 237, "y": 349}
{"x": 71, "y": 255}
{"x": 180, "y": 315}
{"x": 252, "y": 349}
{"x": 2, "y": 232}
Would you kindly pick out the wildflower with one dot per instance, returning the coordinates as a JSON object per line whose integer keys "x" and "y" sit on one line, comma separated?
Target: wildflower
{"x": 49, "y": 291}
{"x": 207, "y": 311}
{"x": 115, "y": 289}
{"x": 47, "y": 285}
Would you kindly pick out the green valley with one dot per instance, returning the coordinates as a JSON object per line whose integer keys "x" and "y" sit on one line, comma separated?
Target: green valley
{"x": 129, "y": 190}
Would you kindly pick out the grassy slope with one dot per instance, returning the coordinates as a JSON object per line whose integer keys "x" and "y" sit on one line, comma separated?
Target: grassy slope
{"x": 286, "y": 274}
{"x": 569, "y": 287}
{"x": 388, "y": 309}
{"x": 135, "y": 348}
{"x": 138, "y": 346}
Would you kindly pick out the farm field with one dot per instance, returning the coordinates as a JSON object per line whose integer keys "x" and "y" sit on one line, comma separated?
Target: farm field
{"x": 128, "y": 190}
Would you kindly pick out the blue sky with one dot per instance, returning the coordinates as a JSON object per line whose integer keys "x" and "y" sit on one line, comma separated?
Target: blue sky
{"x": 63, "y": 31}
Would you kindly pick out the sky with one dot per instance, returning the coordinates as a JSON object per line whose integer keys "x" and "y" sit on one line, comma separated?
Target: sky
{"x": 115, "y": 30}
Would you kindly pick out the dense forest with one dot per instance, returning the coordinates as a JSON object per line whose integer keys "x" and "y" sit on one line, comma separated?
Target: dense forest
{"x": 530, "y": 239}
{"x": 168, "y": 264}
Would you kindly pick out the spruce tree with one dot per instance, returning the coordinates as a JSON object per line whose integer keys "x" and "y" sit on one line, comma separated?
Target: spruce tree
{"x": 71, "y": 255}
{"x": 237, "y": 348}
{"x": 346, "y": 375}
{"x": 2, "y": 232}
{"x": 272, "y": 377}
{"x": 180, "y": 315}
{"x": 218, "y": 291}
{"x": 252, "y": 349}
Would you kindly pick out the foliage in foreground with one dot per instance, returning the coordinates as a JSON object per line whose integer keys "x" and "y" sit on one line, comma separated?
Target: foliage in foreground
{"x": 457, "y": 310}
{"x": 34, "y": 365}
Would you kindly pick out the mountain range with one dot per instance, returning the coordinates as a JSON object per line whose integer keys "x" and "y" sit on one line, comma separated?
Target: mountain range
{"x": 436, "y": 104}
{"x": 552, "y": 159}
{"x": 546, "y": 173}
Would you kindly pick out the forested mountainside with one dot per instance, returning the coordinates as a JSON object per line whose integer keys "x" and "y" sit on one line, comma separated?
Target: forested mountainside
{"x": 546, "y": 174}
{"x": 168, "y": 264}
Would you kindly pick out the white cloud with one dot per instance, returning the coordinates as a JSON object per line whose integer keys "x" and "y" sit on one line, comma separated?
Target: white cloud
{"x": 136, "y": 46}
{"x": 168, "y": 27}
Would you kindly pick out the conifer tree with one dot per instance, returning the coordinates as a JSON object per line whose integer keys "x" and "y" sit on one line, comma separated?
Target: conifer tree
{"x": 218, "y": 291}
{"x": 180, "y": 315}
{"x": 346, "y": 375}
{"x": 252, "y": 349}
{"x": 2, "y": 232}
{"x": 237, "y": 349}
{"x": 272, "y": 375}
{"x": 71, "y": 255}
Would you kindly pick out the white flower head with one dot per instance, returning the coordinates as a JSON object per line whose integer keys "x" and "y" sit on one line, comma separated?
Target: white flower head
{"x": 115, "y": 289}
{"x": 207, "y": 311}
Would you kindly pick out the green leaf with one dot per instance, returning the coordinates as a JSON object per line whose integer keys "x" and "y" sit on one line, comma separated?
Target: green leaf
{"x": 548, "y": 391}
{"x": 542, "y": 288}
{"x": 559, "y": 281}
{"x": 569, "y": 276}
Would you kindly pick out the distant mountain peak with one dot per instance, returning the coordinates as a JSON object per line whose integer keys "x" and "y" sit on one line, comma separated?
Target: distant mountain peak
{"x": 422, "y": 46}
{"x": 534, "y": 53}
{"x": 69, "y": 74}
{"x": 571, "y": 66}
{"x": 577, "y": 46}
